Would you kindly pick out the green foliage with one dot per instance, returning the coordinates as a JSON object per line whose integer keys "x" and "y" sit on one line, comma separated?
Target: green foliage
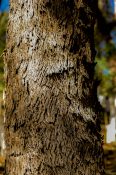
{"x": 107, "y": 77}
{"x": 105, "y": 41}
{"x": 3, "y": 24}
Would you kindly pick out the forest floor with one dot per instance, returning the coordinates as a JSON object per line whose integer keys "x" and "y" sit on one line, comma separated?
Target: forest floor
{"x": 2, "y": 162}
{"x": 110, "y": 159}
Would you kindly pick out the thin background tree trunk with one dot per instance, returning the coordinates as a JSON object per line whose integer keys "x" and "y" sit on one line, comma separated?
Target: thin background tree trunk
{"x": 52, "y": 125}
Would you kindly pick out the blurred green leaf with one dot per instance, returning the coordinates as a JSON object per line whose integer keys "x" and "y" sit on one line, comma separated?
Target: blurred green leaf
{"x": 3, "y": 26}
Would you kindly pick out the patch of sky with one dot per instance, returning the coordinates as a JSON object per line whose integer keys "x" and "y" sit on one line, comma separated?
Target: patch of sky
{"x": 106, "y": 71}
{"x": 112, "y": 5}
{"x": 113, "y": 34}
{"x": 4, "y": 5}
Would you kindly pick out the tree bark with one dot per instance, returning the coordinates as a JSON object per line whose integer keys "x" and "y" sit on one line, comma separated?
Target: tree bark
{"x": 52, "y": 120}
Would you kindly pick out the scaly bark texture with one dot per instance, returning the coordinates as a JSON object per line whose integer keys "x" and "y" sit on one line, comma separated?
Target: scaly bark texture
{"x": 52, "y": 114}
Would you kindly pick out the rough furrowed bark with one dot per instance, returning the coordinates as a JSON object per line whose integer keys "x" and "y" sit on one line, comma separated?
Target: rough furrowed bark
{"x": 52, "y": 119}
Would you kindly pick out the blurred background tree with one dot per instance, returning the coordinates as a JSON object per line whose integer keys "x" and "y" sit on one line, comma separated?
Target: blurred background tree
{"x": 3, "y": 23}
{"x": 105, "y": 40}
{"x": 4, "y": 7}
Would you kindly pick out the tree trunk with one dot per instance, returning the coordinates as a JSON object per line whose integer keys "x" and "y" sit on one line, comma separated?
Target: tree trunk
{"x": 52, "y": 125}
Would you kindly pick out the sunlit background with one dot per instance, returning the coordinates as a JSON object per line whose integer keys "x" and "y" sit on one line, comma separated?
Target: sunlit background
{"x": 105, "y": 40}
